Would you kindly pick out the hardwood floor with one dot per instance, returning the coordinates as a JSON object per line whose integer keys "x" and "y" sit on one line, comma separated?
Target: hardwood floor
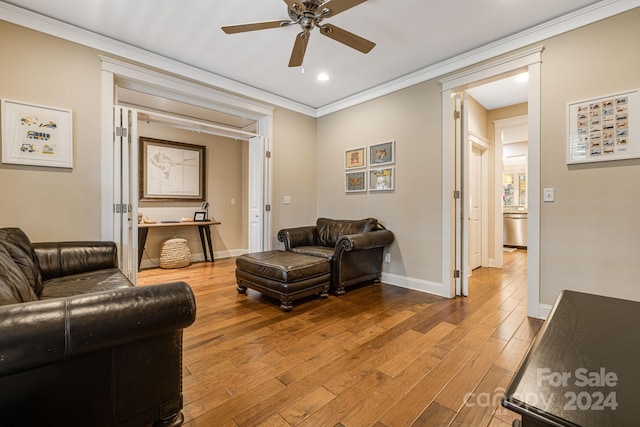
{"x": 378, "y": 356}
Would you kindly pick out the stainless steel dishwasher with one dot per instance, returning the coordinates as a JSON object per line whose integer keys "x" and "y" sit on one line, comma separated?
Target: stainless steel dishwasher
{"x": 515, "y": 229}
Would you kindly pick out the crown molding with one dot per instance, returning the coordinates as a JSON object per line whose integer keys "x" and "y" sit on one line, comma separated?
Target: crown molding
{"x": 53, "y": 27}
{"x": 537, "y": 34}
{"x": 577, "y": 19}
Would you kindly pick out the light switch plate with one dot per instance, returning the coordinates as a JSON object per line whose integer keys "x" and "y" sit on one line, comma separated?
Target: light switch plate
{"x": 287, "y": 200}
{"x": 549, "y": 195}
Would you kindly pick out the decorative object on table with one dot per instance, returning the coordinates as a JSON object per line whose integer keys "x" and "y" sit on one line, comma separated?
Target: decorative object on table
{"x": 175, "y": 253}
{"x": 381, "y": 179}
{"x": 355, "y": 158}
{"x": 205, "y": 208}
{"x": 603, "y": 129}
{"x": 382, "y": 154}
{"x": 172, "y": 170}
{"x": 36, "y": 135}
{"x": 356, "y": 182}
{"x": 200, "y": 216}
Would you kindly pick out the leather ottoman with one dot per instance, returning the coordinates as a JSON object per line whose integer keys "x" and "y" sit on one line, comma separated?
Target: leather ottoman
{"x": 284, "y": 275}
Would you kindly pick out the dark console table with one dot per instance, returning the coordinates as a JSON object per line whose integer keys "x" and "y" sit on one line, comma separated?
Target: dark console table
{"x": 203, "y": 229}
{"x": 583, "y": 368}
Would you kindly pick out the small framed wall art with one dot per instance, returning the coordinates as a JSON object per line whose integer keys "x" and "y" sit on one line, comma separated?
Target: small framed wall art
{"x": 603, "y": 129}
{"x": 356, "y": 182}
{"x": 382, "y": 154}
{"x": 36, "y": 135}
{"x": 381, "y": 179}
{"x": 355, "y": 158}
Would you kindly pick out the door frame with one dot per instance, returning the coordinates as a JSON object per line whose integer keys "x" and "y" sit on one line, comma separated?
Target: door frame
{"x": 482, "y": 144}
{"x": 118, "y": 73}
{"x": 529, "y": 60}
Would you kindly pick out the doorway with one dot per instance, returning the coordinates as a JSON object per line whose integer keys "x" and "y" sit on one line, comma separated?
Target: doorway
{"x": 455, "y": 229}
{"x": 122, "y": 76}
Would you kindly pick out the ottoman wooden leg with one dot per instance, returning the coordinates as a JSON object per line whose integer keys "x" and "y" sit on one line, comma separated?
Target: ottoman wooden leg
{"x": 286, "y": 305}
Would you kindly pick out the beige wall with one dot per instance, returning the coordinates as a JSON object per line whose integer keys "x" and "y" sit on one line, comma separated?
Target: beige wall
{"x": 294, "y": 171}
{"x": 591, "y": 234}
{"x": 53, "y": 203}
{"x": 413, "y": 211}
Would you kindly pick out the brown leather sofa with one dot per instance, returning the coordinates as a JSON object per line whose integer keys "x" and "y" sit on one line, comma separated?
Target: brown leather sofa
{"x": 354, "y": 248}
{"x": 80, "y": 345}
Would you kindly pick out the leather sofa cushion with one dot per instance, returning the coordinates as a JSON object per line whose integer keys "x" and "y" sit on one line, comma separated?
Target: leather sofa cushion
{"x": 283, "y": 266}
{"x": 14, "y": 287}
{"x": 83, "y": 283}
{"x": 319, "y": 251}
{"x": 330, "y": 230}
{"x": 19, "y": 247}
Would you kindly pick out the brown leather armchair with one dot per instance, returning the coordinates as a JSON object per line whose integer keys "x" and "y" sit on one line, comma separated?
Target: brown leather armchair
{"x": 354, "y": 248}
{"x": 80, "y": 345}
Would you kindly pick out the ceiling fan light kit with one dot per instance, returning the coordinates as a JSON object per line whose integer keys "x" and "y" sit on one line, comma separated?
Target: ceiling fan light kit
{"x": 309, "y": 15}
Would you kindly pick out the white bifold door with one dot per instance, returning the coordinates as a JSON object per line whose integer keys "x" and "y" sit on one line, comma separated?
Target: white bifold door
{"x": 462, "y": 219}
{"x": 125, "y": 190}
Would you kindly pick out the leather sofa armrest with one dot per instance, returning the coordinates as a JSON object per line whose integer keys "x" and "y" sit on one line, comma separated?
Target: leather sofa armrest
{"x": 298, "y": 236}
{"x": 48, "y": 331}
{"x": 362, "y": 241}
{"x": 58, "y": 259}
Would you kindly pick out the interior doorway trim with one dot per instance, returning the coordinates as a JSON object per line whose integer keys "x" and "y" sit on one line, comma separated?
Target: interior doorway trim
{"x": 482, "y": 144}
{"x": 119, "y": 73}
{"x": 510, "y": 65}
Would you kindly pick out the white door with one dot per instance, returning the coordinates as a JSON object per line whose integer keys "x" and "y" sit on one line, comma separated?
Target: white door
{"x": 475, "y": 209}
{"x": 257, "y": 164}
{"x": 125, "y": 203}
{"x": 462, "y": 155}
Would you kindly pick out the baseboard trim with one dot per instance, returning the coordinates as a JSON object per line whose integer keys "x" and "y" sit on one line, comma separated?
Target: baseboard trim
{"x": 413, "y": 284}
{"x": 544, "y": 310}
{"x": 198, "y": 257}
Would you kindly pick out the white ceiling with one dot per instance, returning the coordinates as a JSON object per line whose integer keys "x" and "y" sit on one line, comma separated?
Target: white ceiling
{"x": 411, "y": 35}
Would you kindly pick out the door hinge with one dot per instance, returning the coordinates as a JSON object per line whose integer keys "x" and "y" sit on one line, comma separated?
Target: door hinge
{"x": 121, "y": 132}
{"x": 267, "y": 208}
{"x": 456, "y": 115}
{"x": 456, "y": 274}
{"x": 121, "y": 208}
{"x": 456, "y": 194}
{"x": 268, "y": 154}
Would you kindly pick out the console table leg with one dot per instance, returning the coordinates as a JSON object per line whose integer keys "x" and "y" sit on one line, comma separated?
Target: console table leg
{"x": 204, "y": 248}
{"x": 142, "y": 241}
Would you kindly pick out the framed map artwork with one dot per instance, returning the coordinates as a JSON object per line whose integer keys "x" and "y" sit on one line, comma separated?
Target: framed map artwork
{"x": 171, "y": 171}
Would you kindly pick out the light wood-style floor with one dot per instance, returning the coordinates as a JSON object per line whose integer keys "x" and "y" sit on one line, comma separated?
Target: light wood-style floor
{"x": 378, "y": 356}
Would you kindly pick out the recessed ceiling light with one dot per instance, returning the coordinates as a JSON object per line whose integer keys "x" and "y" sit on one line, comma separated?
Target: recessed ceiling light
{"x": 323, "y": 77}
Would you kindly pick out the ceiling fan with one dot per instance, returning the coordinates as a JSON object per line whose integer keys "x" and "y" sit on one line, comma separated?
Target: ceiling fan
{"x": 309, "y": 14}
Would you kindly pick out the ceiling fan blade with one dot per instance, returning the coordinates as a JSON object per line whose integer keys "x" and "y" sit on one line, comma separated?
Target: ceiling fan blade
{"x": 299, "y": 48}
{"x": 233, "y": 29}
{"x": 295, "y": 5}
{"x": 337, "y": 6}
{"x": 345, "y": 37}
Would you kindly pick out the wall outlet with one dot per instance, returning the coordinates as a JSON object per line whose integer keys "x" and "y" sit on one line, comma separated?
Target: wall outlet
{"x": 233, "y": 201}
{"x": 387, "y": 257}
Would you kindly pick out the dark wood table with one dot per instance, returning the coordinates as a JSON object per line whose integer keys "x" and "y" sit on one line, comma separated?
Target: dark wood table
{"x": 583, "y": 369}
{"x": 203, "y": 230}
